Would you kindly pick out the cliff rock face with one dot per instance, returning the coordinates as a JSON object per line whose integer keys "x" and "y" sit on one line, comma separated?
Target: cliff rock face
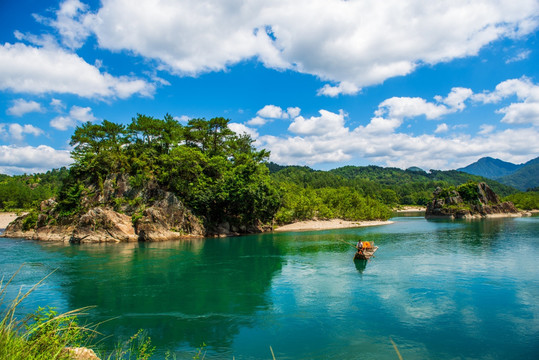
{"x": 103, "y": 225}
{"x": 115, "y": 212}
{"x": 167, "y": 219}
{"x": 469, "y": 201}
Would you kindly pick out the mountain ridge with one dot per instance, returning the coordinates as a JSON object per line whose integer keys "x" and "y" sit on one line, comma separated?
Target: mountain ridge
{"x": 491, "y": 168}
{"x": 520, "y": 176}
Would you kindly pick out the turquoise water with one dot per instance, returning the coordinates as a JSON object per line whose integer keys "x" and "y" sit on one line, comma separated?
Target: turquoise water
{"x": 438, "y": 289}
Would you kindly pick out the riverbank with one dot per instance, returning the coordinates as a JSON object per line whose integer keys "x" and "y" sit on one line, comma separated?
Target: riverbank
{"x": 6, "y": 218}
{"x": 406, "y": 209}
{"x": 310, "y": 225}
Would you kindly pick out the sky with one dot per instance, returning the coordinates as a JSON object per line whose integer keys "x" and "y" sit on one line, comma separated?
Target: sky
{"x": 323, "y": 83}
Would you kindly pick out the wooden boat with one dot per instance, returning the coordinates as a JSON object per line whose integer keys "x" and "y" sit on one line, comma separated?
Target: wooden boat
{"x": 365, "y": 253}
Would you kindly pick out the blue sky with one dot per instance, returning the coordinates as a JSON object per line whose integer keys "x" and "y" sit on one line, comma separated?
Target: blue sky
{"x": 323, "y": 83}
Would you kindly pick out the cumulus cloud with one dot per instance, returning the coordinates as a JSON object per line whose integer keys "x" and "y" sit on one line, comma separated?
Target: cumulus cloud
{"x": 486, "y": 129}
{"x": 241, "y": 129}
{"x": 407, "y": 107}
{"x": 524, "y": 112}
{"x": 76, "y": 115}
{"x": 21, "y": 107}
{"x": 16, "y": 132}
{"x": 71, "y": 23}
{"x": 456, "y": 98}
{"x": 398, "y": 149}
{"x": 39, "y": 70}
{"x": 349, "y": 43}
{"x": 326, "y": 138}
{"x": 327, "y": 123}
{"x": 441, "y": 128}
{"x": 257, "y": 121}
{"x": 271, "y": 112}
{"x": 344, "y": 88}
{"x": 29, "y": 159}
{"x": 396, "y": 109}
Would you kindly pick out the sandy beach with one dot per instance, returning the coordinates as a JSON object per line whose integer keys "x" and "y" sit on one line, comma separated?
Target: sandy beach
{"x": 411, "y": 209}
{"x": 328, "y": 225}
{"x": 6, "y": 218}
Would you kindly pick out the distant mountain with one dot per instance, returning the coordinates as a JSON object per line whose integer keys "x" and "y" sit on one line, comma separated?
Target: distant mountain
{"x": 416, "y": 169}
{"x": 526, "y": 177}
{"x": 491, "y": 168}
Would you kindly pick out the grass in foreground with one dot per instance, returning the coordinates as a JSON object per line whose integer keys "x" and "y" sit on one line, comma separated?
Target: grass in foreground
{"x": 47, "y": 335}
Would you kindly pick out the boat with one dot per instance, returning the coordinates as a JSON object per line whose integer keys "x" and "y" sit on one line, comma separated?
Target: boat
{"x": 367, "y": 252}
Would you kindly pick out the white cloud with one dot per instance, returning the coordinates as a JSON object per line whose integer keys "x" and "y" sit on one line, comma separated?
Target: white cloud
{"x": 524, "y": 112}
{"x": 521, "y": 113}
{"x": 350, "y": 43}
{"x": 16, "y": 132}
{"x": 82, "y": 114}
{"x": 21, "y": 107}
{"x": 272, "y": 112}
{"x": 407, "y": 107}
{"x": 293, "y": 112}
{"x": 441, "y": 128}
{"x": 58, "y": 105}
{"x": 183, "y": 118}
{"x": 456, "y": 98}
{"x": 486, "y": 129}
{"x": 242, "y": 129}
{"x": 522, "y": 55}
{"x": 327, "y": 123}
{"x": 29, "y": 159}
{"x": 76, "y": 115}
{"x": 72, "y": 23}
{"x": 344, "y": 88}
{"x": 62, "y": 123}
{"x": 326, "y": 139}
{"x": 39, "y": 70}
{"x": 257, "y": 121}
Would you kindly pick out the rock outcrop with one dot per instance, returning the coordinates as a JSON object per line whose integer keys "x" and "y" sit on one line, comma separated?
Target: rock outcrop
{"x": 116, "y": 212}
{"x": 167, "y": 219}
{"x": 103, "y": 225}
{"x": 469, "y": 201}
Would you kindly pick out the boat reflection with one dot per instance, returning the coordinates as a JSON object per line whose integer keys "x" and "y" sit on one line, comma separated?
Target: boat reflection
{"x": 360, "y": 265}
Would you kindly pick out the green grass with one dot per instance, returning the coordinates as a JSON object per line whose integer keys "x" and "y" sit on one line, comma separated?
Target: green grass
{"x": 45, "y": 334}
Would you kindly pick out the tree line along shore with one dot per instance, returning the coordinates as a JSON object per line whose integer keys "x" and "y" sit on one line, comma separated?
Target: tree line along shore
{"x": 220, "y": 179}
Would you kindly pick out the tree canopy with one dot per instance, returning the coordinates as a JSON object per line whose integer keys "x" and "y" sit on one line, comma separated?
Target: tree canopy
{"x": 217, "y": 173}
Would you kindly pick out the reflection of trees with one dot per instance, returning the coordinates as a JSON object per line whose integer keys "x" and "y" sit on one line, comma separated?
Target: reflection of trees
{"x": 193, "y": 291}
{"x": 475, "y": 235}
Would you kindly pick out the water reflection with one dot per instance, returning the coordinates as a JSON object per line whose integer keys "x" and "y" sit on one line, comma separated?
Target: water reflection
{"x": 360, "y": 265}
{"x": 190, "y": 291}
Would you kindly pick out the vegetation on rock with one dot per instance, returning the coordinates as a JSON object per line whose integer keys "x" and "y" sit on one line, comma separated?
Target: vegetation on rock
{"x": 467, "y": 200}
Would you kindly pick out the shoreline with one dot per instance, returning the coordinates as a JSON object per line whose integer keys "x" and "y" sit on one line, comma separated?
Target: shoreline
{"x": 6, "y": 218}
{"x": 406, "y": 209}
{"x": 311, "y": 225}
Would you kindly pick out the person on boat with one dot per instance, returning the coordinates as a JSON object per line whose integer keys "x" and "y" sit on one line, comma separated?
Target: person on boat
{"x": 359, "y": 247}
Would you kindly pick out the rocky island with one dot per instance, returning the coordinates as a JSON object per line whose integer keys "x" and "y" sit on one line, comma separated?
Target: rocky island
{"x": 156, "y": 180}
{"x": 467, "y": 201}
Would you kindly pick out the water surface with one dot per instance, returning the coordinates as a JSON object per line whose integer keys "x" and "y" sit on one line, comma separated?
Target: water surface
{"x": 438, "y": 289}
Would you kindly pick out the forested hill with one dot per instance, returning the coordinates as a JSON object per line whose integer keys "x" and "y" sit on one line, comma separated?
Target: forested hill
{"x": 392, "y": 186}
{"x": 526, "y": 177}
{"x": 521, "y": 176}
{"x": 491, "y": 168}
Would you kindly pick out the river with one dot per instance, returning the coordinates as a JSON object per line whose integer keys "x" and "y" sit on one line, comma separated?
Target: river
{"x": 436, "y": 289}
